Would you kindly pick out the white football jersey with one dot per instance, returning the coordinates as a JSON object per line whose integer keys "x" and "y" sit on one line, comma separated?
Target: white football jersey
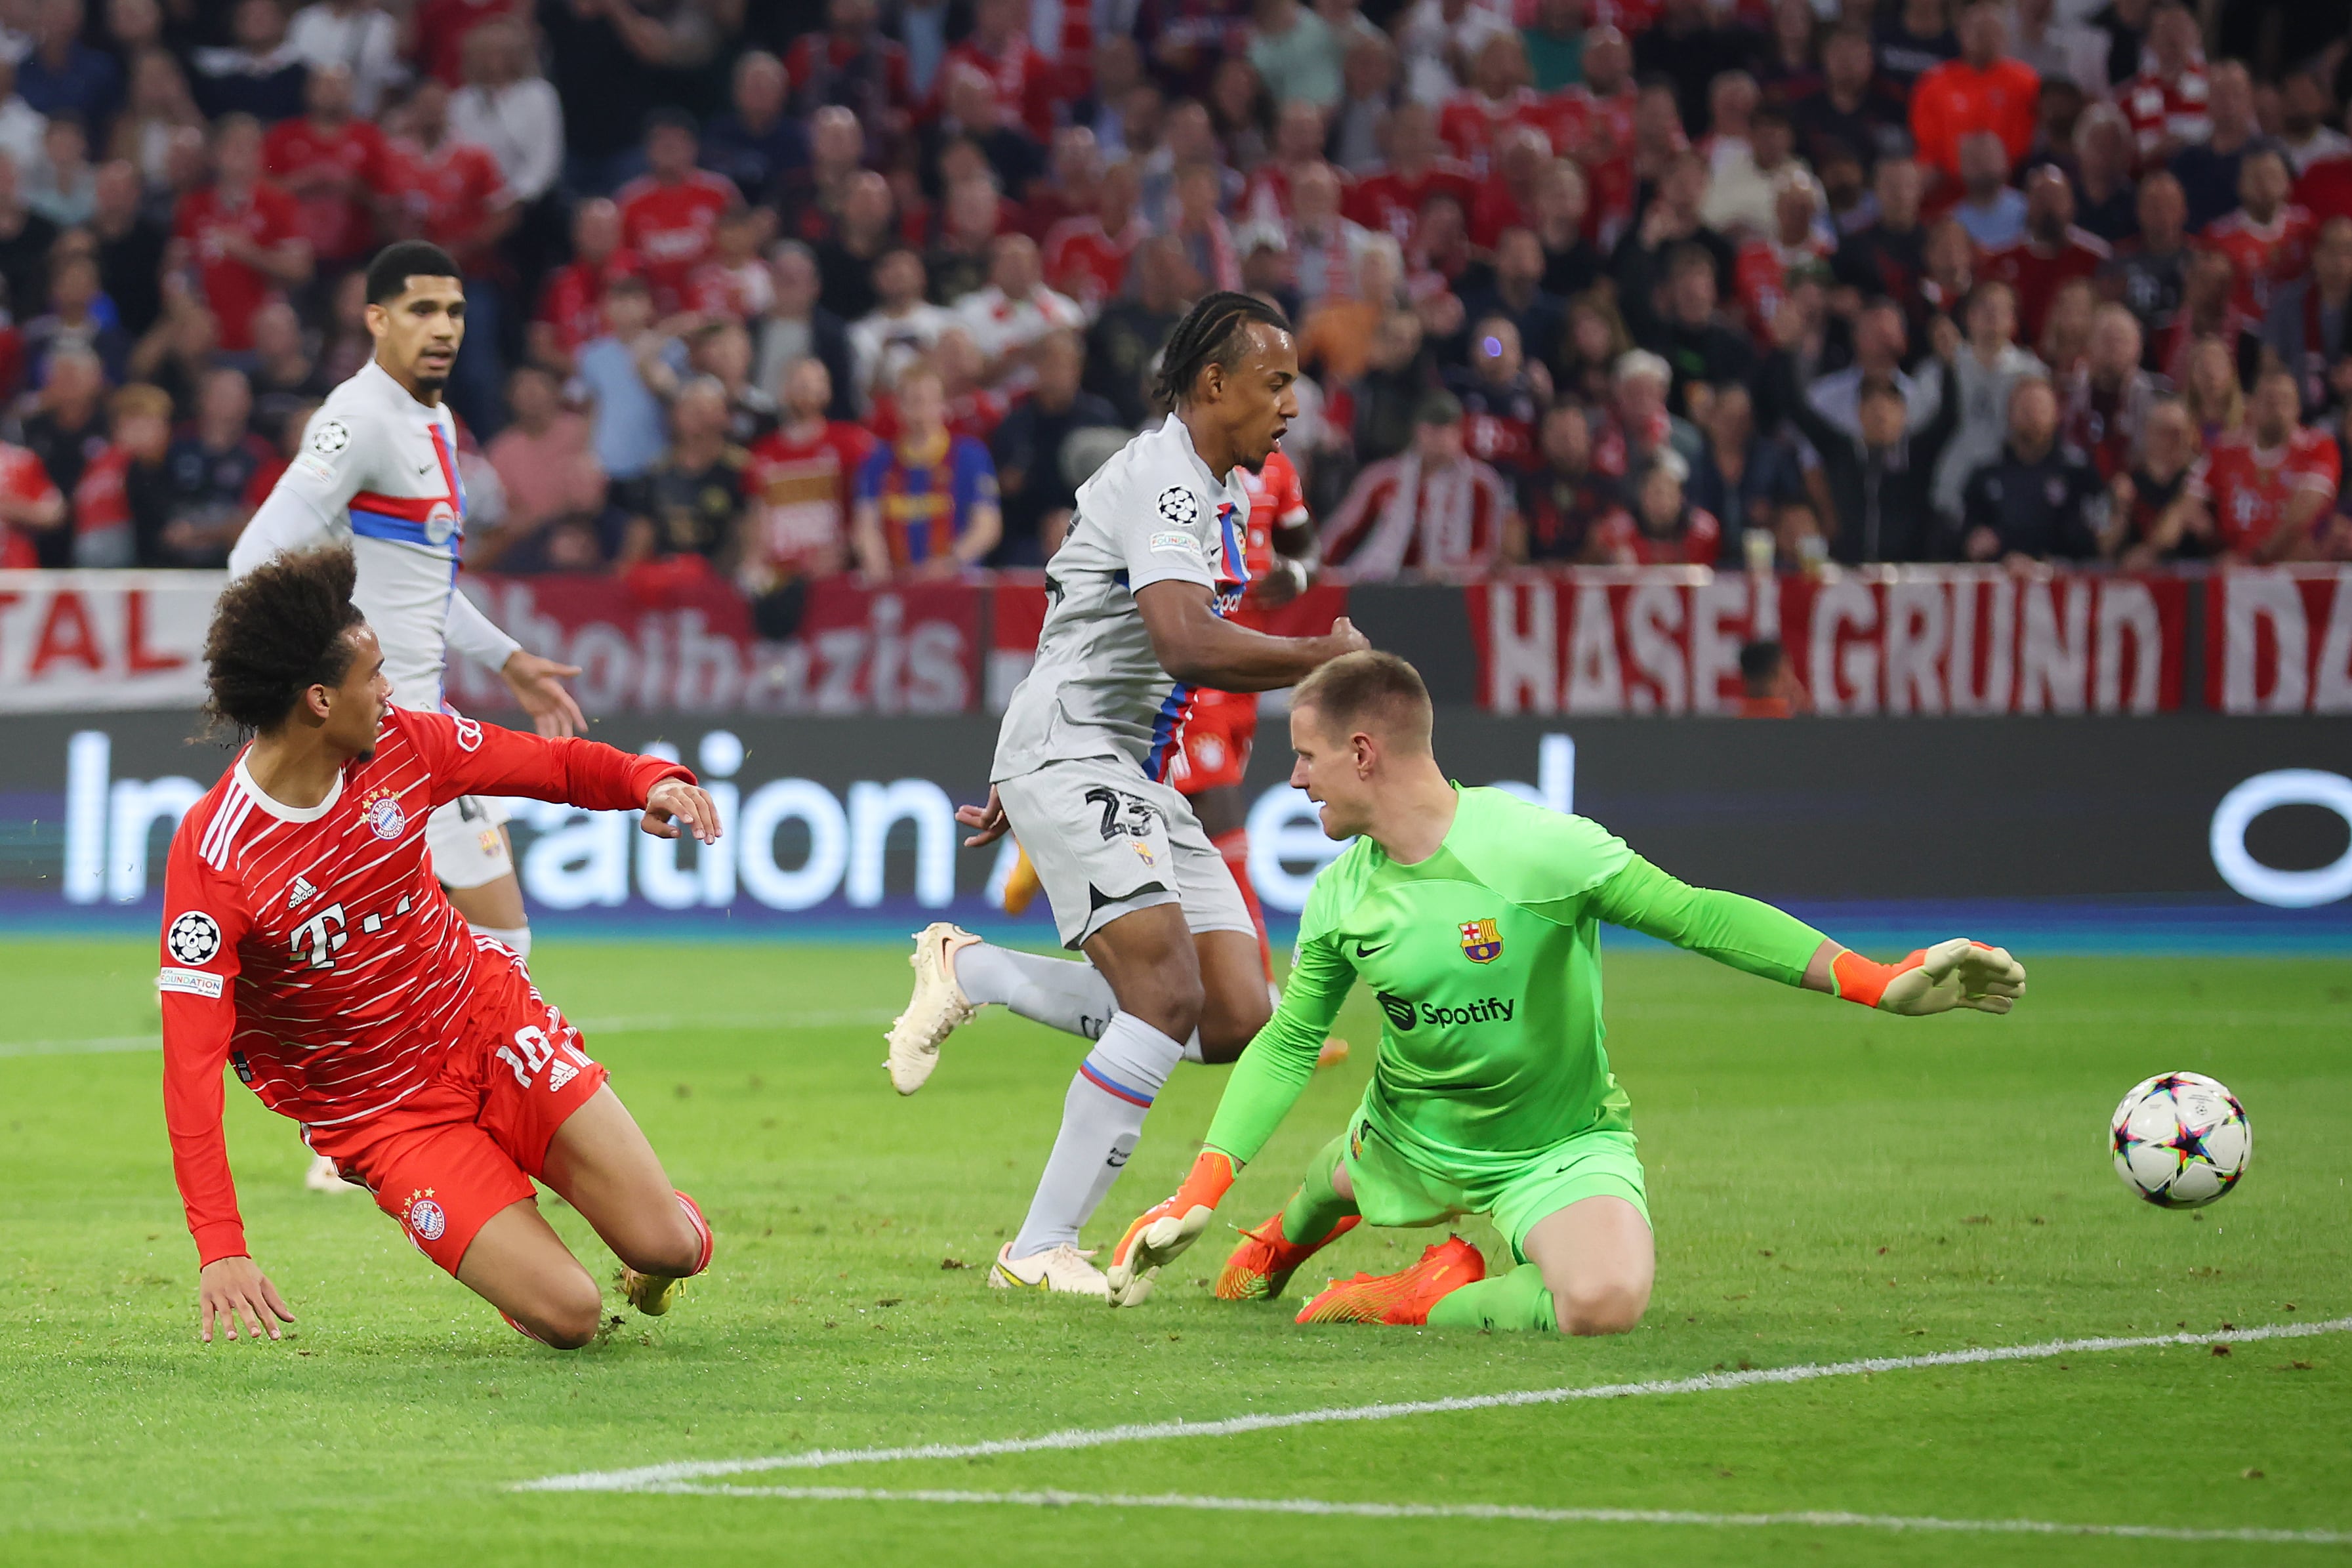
{"x": 380, "y": 469}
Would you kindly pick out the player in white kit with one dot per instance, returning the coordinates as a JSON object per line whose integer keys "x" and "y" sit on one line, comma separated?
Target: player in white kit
{"x": 1138, "y": 596}
{"x": 378, "y": 469}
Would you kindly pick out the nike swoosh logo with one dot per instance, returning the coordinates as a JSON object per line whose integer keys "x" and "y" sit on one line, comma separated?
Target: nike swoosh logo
{"x": 1364, "y": 951}
{"x": 425, "y": 469}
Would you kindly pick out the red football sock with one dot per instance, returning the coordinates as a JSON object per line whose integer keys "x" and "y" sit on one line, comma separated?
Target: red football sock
{"x": 1234, "y": 847}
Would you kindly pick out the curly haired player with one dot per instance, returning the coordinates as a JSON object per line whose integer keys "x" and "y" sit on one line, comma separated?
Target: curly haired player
{"x": 1476, "y": 917}
{"x": 307, "y": 944}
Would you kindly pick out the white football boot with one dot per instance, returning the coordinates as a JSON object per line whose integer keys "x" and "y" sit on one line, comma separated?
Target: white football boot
{"x": 937, "y": 1009}
{"x": 1059, "y": 1269}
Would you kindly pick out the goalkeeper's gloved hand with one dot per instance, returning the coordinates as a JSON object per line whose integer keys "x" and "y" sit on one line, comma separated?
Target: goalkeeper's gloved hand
{"x": 1955, "y": 974}
{"x": 1166, "y": 1228}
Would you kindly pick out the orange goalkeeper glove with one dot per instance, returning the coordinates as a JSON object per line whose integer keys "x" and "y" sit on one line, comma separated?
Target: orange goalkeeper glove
{"x": 1955, "y": 974}
{"x": 1168, "y": 1228}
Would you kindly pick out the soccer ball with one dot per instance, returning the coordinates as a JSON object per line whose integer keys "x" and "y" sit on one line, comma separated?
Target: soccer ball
{"x": 2181, "y": 1139}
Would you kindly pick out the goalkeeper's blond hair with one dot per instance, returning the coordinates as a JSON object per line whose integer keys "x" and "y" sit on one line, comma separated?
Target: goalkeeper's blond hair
{"x": 1371, "y": 690}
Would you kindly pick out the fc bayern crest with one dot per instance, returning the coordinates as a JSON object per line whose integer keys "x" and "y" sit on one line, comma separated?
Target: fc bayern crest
{"x": 427, "y": 1219}
{"x": 384, "y": 816}
{"x": 194, "y": 938}
{"x": 1178, "y": 506}
{"x": 1482, "y": 940}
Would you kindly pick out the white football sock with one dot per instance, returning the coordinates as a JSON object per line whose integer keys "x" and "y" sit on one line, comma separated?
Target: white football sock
{"x": 516, "y": 937}
{"x": 1102, "y": 1117}
{"x": 1072, "y": 997}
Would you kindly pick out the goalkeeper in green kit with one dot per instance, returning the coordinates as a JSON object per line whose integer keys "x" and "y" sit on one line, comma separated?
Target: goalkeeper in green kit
{"x": 1476, "y": 917}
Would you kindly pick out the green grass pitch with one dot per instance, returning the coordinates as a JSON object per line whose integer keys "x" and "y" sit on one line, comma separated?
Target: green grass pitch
{"x": 1827, "y": 1184}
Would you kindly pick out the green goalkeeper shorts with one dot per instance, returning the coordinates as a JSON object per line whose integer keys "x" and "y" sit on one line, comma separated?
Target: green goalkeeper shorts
{"x": 1393, "y": 1191}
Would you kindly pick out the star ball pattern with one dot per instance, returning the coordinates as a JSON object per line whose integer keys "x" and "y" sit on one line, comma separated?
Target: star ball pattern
{"x": 2181, "y": 1139}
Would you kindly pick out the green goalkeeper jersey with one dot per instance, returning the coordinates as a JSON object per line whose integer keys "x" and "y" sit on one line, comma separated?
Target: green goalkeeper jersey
{"x": 1486, "y": 961}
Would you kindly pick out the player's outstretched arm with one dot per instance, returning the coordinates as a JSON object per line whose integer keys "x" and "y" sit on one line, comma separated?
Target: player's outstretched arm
{"x": 234, "y": 1290}
{"x": 1758, "y": 939}
{"x": 470, "y": 758}
{"x": 1200, "y": 647}
{"x": 537, "y": 683}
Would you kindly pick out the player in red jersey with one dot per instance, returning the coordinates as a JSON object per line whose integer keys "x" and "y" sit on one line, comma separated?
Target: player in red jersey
{"x": 241, "y": 235}
{"x": 307, "y": 944}
{"x": 669, "y": 215}
{"x": 2272, "y": 485}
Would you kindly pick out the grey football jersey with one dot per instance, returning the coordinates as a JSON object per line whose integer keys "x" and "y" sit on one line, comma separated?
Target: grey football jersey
{"x": 1152, "y": 515}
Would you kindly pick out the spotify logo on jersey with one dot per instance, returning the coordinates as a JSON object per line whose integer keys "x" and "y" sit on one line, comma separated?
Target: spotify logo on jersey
{"x": 1403, "y": 1015}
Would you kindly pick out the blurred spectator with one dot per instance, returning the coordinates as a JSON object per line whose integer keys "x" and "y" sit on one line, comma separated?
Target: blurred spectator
{"x": 338, "y": 168}
{"x": 1369, "y": 75}
{"x": 64, "y": 73}
{"x": 1659, "y": 527}
{"x": 2065, "y": 344}
{"x": 2272, "y": 487}
{"x": 1434, "y": 509}
{"x": 546, "y": 465}
{"x": 1471, "y": 123}
{"x": 1950, "y": 279}
{"x": 73, "y": 324}
{"x": 2104, "y": 201}
{"x": 1336, "y": 339}
{"x": 691, "y": 503}
{"x": 1037, "y": 494}
{"x": 1742, "y": 475}
{"x": 2037, "y": 499}
{"x": 925, "y": 504}
{"x": 241, "y": 236}
{"x": 1390, "y": 201}
{"x": 2059, "y": 49}
{"x": 124, "y": 498}
{"x": 796, "y": 325}
{"x": 1887, "y": 255}
{"x": 1880, "y": 470}
{"x": 66, "y": 430}
{"x": 34, "y": 524}
{"x": 1913, "y": 41}
{"x": 1670, "y": 221}
{"x": 721, "y": 351}
{"x": 1239, "y": 113}
{"x": 957, "y": 261}
{"x": 176, "y": 351}
{"x": 670, "y": 213}
{"x": 2051, "y": 252}
{"x": 1016, "y": 310}
{"x": 1299, "y": 135}
{"x": 211, "y": 463}
{"x": 2268, "y": 239}
{"x": 20, "y": 124}
{"x": 1517, "y": 294}
{"x": 2211, "y": 392}
{"x": 1502, "y": 401}
{"x": 1197, "y": 225}
{"x": 735, "y": 282}
{"x": 444, "y": 28}
{"x": 2153, "y": 516}
{"x": 457, "y": 199}
{"x": 510, "y": 110}
{"x": 1071, "y": 186}
{"x": 62, "y": 188}
{"x": 359, "y": 36}
{"x": 1991, "y": 208}
{"x": 2207, "y": 168}
{"x": 1562, "y": 498}
{"x": 1853, "y": 109}
{"x": 1639, "y": 425}
{"x": 627, "y": 373}
{"x": 160, "y": 107}
{"x": 1700, "y": 345}
{"x": 1118, "y": 71}
{"x": 572, "y": 301}
{"x": 1293, "y": 45}
{"x": 1769, "y": 264}
{"x": 2166, "y": 99}
{"x": 1385, "y": 401}
{"x": 2305, "y": 107}
{"x": 259, "y": 75}
{"x": 810, "y": 206}
{"x": 1571, "y": 264}
{"x": 902, "y": 326}
{"x": 799, "y": 483}
{"x": 1768, "y": 687}
{"x": 2309, "y": 326}
{"x": 1986, "y": 372}
{"x": 973, "y": 409}
{"x": 1553, "y": 38}
{"x": 755, "y": 143}
{"x": 2209, "y": 310}
{"x": 2106, "y": 402}
{"x": 1742, "y": 187}
{"x": 972, "y": 112}
{"x": 1881, "y": 343}
{"x": 1020, "y": 77}
{"x": 852, "y": 66}
{"x": 1124, "y": 340}
{"x": 1086, "y": 256}
{"x": 2149, "y": 274}
{"x": 26, "y": 238}
{"x": 1687, "y": 47}
{"x": 2126, "y": 24}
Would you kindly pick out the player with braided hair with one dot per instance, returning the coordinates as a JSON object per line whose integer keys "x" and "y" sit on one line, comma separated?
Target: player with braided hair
{"x": 1137, "y": 620}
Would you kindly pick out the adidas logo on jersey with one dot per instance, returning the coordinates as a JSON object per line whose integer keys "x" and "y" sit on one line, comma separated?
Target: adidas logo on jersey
{"x": 299, "y": 894}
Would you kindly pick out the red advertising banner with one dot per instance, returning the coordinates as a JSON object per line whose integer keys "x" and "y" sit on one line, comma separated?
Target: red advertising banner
{"x": 2278, "y": 639}
{"x": 1906, "y": 640}
{"x": 71, "y": 641}
{"x": 686, "y": 645}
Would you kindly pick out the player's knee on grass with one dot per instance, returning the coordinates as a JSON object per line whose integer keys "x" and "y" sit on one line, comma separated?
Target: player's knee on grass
{"x": 1590, "y": 1305}
{"x": 667, "y": 1245}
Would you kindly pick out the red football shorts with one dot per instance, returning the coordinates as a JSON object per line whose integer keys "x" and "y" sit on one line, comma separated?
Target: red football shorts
{"x": 464, "y": 1146}
{"x": 1217, "y": 738}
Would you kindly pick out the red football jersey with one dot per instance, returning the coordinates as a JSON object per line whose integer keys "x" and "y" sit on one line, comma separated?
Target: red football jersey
{"x": 1389, "y": 202}
{"x": 2265, "y": 254}
{"x": 800, "y": 490}
{"x": 2037, "y": 277}
{"x": 313, "y": 951}
{"x": 572, "y": 301}
{"x": 337, "y": 224}
{"x": 233, "y": 290}
{"x": 1628, "y": 545}
{"x": 22, "y": 479}
{"x": 1022, "y": 78}
{"x": 1471, "y": 123}
{"x": 2156, "y": 108}
{"x": 2247, "y": 488}
{"x": 454, "y": 189}
{"x": 1087, "y": 264}
{"x": 671, "y": 226}
{"x": 1759, "y": 278}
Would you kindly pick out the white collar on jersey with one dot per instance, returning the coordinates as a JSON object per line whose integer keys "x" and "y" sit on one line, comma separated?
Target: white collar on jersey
{"x": 1181, "y": 434}
{"x": 278, "y": 808}
{"x": 376, "y": 372}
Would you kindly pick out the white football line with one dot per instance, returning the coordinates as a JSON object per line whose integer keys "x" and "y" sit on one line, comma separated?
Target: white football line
{"x": 1484, "y": 1510}
{"x": 652, "y": 1476}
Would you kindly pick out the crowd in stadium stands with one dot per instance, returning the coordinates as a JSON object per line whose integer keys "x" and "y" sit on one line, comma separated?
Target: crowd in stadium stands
{"x": 774, "y": 289}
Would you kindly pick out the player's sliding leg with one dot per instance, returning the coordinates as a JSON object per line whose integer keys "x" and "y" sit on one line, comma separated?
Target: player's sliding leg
{"x": 517, "y": 1264}
{"x": 599, "y": 1159}
{"x": 1316, "y": 1215}
{"x": 1588, "y": 1271}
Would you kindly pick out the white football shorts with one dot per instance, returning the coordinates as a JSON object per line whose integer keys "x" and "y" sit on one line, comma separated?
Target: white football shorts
{"x": 467, "y": 847}
{"x": 1107, "y": 841}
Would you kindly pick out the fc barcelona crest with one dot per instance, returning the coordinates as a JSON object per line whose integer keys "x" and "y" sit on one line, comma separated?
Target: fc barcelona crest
{"x": 1481, "y": 941}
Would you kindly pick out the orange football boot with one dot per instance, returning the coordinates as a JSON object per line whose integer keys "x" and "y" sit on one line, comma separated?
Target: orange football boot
{"x": 1403, "y": 1298}
{"x": 1334, "y": 1052}
{"x": 1264, "y": 1262}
